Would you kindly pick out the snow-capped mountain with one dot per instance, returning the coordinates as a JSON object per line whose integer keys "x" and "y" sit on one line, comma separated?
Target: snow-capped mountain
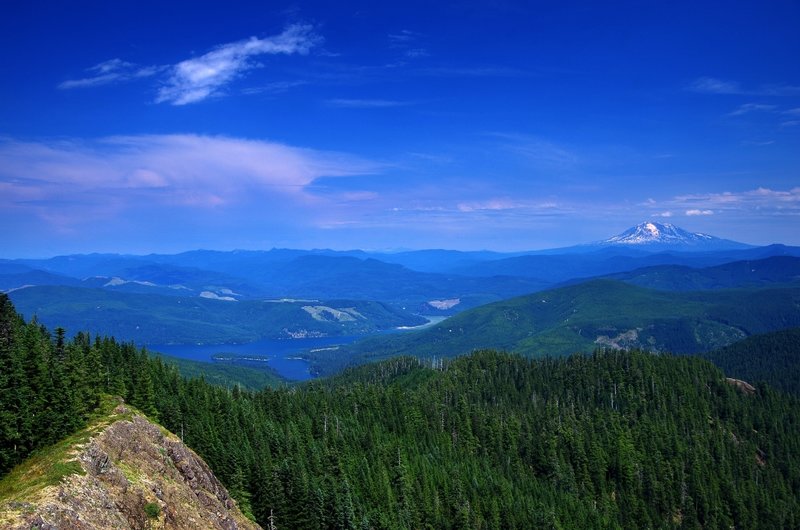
{"x": 665, "y": 236}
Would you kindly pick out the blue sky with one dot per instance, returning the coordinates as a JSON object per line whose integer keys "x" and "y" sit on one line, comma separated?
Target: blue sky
{"x": 166, "y": 126}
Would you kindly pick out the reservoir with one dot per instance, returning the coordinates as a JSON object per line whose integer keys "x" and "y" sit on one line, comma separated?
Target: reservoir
{"x": 282, "y": 355}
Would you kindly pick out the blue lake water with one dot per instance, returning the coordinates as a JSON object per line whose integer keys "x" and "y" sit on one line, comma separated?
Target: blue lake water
{"x": 282, "y": 354}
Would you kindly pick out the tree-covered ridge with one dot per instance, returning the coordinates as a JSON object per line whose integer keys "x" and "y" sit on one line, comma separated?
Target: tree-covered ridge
{"x": 770, "y": 271}
{"x": 49, "y": 385}
{"x": 490, "y": 440}
{"x": 226, "y": 374}
{"x": 582, "y": 317}
{"x": 770, "y": 357}
{"x": 159, "y": 319}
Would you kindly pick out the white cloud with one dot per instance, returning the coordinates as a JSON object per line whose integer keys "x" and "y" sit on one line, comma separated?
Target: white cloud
{"x": 762, "y": 200}
{"x": 201, "y": 77}
{"x": 492, "y": 205}
{"x": 759, "y": 202}
{"x": 196, "y": 79}
{"x": 111, "y": 71}
{"x": 168, "y": 170}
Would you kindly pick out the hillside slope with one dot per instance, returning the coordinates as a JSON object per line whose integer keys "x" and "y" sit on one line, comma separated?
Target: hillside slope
{"x": 770, "y": 357}
{"x": 597, "y": 313}
{"x": 610, "y": 440}
{"x": 120, "y": 472}
{"x": 156, "y": 319}
{"x": 489, "y": 440}
{"x": 747, "y": 273}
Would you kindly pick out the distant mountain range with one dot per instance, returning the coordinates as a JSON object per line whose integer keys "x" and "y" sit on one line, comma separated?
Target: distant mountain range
{"x": 426, "y": 282}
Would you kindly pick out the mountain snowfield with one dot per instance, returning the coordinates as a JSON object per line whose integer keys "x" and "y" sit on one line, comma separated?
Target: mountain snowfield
{"x": 667, "y": 236}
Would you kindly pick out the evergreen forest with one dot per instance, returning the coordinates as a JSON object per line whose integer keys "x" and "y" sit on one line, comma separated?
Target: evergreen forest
{"x": 770, "y": 357}
{"x": 489, "y": 440}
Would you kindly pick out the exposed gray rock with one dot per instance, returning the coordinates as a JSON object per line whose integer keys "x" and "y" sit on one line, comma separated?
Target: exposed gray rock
{"x": 130, "y": 463}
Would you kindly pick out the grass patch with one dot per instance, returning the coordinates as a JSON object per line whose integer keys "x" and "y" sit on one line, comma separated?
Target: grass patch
{"x": 49, "y": 465}
{"x": 45, "y": 467}
{"x": 131, "y": 473}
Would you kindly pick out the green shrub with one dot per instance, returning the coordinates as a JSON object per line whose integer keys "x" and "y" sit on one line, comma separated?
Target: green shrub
{"x": 152, "y": 509}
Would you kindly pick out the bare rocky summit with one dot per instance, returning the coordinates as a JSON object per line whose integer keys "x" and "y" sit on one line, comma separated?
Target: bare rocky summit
{"x": 125, "y": 472}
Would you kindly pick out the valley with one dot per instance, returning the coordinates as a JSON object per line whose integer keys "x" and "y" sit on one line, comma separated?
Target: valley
{"x": 487, "y": 438}
{"x": 654, "y": 286}
{"x": 511, "y": 400}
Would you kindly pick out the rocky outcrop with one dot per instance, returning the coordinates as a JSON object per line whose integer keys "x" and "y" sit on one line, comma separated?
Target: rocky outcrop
{"x": 130, "y": 474}
{"x": 742, "y": 386}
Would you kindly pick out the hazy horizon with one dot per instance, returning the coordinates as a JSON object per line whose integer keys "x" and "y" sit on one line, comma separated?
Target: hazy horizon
{"x": 387, "y": 250}
{"x": 138, "y": 127}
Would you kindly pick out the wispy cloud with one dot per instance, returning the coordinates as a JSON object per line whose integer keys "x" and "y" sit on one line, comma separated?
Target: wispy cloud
{"x": 81, "y": 178}
{"x": 111, "y": 71}
{"x": 712, "y": 85}
{"x": 407, "y": 42}
{"x": 491, "y": 205}
{"x": 366, "y": 103}
{"x": 747, "y": 108}
{"x": 415, "y": 53}
{"x": 541, "y": 152}
{"x": 199, "y": 78}
{"x": 779, "y": 90}
{"x": 403, "y": 37}
{"x": 472, "y": 71}
{"x": 466, "y": 211}
{"x": 747, "y": 204}
{"x": 276, "y": 87}
{"x": 758, "y": 143}
{"x": 793, "y": 114}
{"x": 764, "y": 200}
{"x": 196, "y": 79}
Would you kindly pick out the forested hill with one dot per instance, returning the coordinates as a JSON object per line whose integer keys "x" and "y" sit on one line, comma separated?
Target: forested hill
{"x": 157, "y": 319}
{"x": 770, "y": 357}
{"x": 614, "y": 439}
{"x": 579, "y": 318}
